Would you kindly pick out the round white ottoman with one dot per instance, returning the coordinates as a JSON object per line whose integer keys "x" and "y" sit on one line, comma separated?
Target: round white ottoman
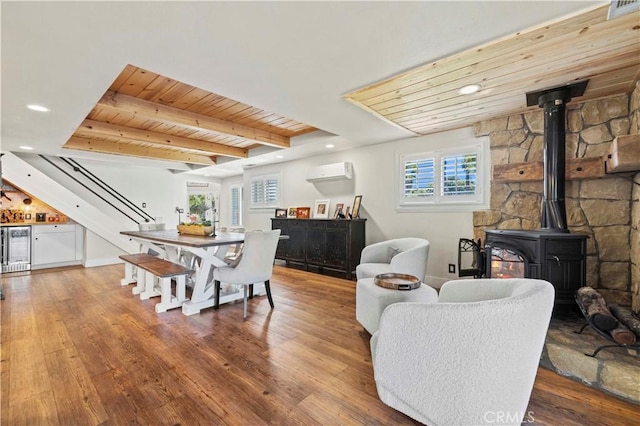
{"x": 371, "y": 300}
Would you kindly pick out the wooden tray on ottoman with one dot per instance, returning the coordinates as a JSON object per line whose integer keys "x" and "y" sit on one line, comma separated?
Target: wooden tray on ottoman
{"x": 396, "y": 281}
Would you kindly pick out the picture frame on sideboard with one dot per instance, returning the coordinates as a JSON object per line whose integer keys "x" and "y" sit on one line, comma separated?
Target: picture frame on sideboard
{"x": 338, "y": 212}
{"x": 355, "y": 212}
{"x": 303, "y": 212}
{"x": 321, "y": 209}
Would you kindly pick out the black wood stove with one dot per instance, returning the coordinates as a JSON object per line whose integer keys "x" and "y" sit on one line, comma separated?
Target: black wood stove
{"x": 550, "y": 253}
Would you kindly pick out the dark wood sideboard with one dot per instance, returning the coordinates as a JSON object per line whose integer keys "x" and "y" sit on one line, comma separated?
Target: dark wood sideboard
{"x": 321, "y": 243}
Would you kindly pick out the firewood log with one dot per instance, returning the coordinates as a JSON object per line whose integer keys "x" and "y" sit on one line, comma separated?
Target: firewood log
{"x": 594, "y": 305}
{"x": 626, "y": 317}
{"x": 622, "y": 335}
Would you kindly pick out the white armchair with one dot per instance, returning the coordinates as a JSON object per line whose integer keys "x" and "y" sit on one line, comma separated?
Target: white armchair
{"x": 403, "y": 255}
{"x": 467, "y": 359}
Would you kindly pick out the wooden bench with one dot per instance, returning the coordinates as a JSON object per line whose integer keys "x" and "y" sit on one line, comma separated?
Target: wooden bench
{"x": 131, "y": 264}
{"x": 157, "y": 282}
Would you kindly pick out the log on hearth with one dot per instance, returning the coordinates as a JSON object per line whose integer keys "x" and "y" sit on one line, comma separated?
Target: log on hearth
{"x": 626, "y": 317}
{"x": 591, "y": 302}
{"x": 622, "y": 335}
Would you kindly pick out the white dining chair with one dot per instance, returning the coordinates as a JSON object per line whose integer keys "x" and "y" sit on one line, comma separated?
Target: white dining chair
{"x": 255, "y": 265}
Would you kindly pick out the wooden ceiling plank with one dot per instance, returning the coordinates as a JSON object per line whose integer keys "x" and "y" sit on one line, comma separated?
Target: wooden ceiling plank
{"x": 574, "y": 67}
{"x": 187, "y": 100}
{"x": 251, "y": 119}
{"x": 171, "y": 94}
{"x": 100, "y": 114}
{"x": 608, "y": 90}
{"x": 511, "y": 90}
{"x": 190, "y": 133}
{"x": 521, "y": 82}
{"x": 188, "y": 119}
{"x": 158, "y": 85}
{"x": 585, "y": 46}
{"x": 90, "y": 127}
{"x": 603, "y": 42}
{"x": 297, "y": 127}
{"x": 627, "y": 74}
{"x": 204, "y": 103}
{"x": 511, "y": 43}
{"x": 131, "y": 120}
{"x": 286, "y": 126}
{"x": 479, "y": 73}
{"x": 136, "y": 83}
{"x": 229, "y": 113}
{"x": 245, "y": 113}
{"x": 277, "y": 122}
{"x": 106, "y": 147}
{"x": 218, "y": 106}
{"x": 508, "y": 86}
{"x": 124, "y": 75}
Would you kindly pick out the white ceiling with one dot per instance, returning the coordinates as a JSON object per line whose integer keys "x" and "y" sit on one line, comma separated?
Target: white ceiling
{"x": 296, "y": 59}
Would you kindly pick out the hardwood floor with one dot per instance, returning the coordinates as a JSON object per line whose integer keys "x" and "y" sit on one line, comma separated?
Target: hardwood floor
{"x": 79, "y": 349}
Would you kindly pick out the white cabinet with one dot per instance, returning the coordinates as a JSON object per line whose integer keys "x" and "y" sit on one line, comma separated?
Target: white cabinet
{"x": 56, "y": 245}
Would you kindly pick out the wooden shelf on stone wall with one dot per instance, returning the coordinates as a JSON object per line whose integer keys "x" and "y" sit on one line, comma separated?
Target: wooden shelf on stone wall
{"x": 575, "y": 168}
{"x": 625, "y": 154}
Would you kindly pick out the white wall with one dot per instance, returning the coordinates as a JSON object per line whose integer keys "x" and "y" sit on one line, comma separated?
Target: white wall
{"x": 373, "y": 179}
{"x": 98, "y": 251}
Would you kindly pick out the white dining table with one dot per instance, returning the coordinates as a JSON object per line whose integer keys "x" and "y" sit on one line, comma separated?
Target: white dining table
{"x": 211, "y": 250}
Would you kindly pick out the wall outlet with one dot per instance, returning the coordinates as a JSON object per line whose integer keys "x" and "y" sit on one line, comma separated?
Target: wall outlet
{"x": 452, "y": 268}
{"x": 144, "y": 205}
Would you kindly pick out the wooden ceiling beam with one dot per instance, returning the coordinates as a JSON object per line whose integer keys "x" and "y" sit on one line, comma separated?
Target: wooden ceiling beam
{"x": 120, "y": 148}
{"x": 90, "y": 128}
{"x": 162, "y": 113}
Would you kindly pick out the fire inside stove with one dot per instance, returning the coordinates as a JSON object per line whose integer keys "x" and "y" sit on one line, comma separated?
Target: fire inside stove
{"x": 506, "y": 263}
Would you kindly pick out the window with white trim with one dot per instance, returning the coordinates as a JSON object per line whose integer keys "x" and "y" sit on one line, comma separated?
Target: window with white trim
{"x": 265, "y": 192}
{"x": 235, "y": 214}
{"x": 452, "y": 179}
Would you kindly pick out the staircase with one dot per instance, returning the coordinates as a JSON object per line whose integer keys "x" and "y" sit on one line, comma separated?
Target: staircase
{"x": 98, "y": 220}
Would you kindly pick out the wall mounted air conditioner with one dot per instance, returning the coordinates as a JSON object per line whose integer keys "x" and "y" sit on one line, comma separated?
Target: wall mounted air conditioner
{"x": 333, "y": 171}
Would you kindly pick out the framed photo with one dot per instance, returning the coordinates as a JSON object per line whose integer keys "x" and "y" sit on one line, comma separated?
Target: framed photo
{"x": 338, "y": 211}
{"x": 347, "y": 212}
{"x": 292, "y": 213}
{"x": 321, "y": 209}
{"x": 281, "y": 213}
{"x": 303, "y": 212}
{"x": 355, "y": 213}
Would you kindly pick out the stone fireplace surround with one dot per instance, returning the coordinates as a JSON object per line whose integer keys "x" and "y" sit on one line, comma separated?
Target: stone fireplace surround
{"x": 605, "y": 209}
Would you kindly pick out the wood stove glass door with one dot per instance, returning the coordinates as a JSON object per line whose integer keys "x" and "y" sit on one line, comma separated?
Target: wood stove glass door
{"x": 506, "y": 263}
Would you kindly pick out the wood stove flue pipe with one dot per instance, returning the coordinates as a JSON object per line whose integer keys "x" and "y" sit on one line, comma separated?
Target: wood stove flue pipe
{"x": 554, "y": 100}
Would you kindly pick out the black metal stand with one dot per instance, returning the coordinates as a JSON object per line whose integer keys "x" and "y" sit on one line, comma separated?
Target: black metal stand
{"x": 602, "y": 333}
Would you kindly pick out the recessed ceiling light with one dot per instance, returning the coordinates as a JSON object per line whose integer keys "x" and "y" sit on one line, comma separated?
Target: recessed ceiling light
{"x": 329, "y": 145}
{"x": 28, "y": 148}
{"x": 279, "y": 156}
{"x": 39, "y": 108}
{"x": 467, "y": 90}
